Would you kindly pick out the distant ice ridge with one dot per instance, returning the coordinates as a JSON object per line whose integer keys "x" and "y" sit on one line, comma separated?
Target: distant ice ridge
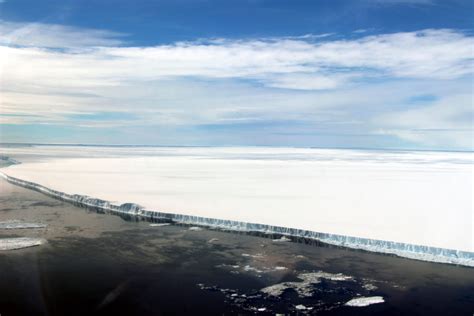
{"x": 418, "y": 252}
{"x": 19, "y": 243}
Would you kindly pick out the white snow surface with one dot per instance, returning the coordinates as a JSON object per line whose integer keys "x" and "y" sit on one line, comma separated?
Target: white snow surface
{"x": 422, "y": 198}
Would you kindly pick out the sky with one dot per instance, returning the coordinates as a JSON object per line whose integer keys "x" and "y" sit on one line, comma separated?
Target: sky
{"x": 354, "y": 74}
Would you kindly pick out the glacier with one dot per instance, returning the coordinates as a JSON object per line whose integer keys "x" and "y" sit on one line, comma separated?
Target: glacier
{"x": 412, "y": 251}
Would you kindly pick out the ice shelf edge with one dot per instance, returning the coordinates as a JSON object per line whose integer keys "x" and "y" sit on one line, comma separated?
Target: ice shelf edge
{"x": 411, "y": 251}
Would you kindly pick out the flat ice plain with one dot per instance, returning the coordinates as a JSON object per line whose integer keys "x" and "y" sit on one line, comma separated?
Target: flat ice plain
{"x": 423, "y": 198}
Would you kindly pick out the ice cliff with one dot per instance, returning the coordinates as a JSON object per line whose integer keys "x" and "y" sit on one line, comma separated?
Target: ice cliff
{"x": 418, "y": 252}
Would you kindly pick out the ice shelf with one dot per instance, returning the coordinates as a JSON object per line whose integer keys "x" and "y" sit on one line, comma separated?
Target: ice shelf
{"x": 418, "y": 252}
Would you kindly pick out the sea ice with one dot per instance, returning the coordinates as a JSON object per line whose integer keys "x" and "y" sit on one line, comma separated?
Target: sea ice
{"x": 19, "y": 242}
{"x": 365, "y": 301}
{"x": 249, "y": 268}
{"x": 282, "y": 239}
{"x": 304, "y": 287}
{"x": 369, "y": 287}
{"x": 195, "y": 228}
{"x": 159, "y": 224}
{"x": 16, "y": 224}
{"x": 257, "y": 255}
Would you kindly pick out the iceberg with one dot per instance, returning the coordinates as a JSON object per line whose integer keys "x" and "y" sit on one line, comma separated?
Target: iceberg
{"x": 159, "y": 224}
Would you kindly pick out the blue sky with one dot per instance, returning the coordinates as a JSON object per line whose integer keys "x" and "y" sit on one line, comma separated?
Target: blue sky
{"x": 368, "y": 73}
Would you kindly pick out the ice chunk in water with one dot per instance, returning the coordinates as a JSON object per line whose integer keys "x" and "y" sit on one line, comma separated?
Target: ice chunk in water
{"x": 16, "y": 224}
{"x": 365, "y": 301}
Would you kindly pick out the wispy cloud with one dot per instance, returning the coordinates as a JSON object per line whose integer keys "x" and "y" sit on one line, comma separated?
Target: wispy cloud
{"x": 55, "y": 36}
{"x": 442, "y": 54}
{"x": 449, "y": 120}
{"x": 58, "y": 72}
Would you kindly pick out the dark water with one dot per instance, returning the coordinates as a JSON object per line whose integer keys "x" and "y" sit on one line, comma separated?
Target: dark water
{"x": 98, "y": 264}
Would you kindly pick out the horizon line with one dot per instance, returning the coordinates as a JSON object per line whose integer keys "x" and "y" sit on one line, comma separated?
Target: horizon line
{"x": 217, "y": 146}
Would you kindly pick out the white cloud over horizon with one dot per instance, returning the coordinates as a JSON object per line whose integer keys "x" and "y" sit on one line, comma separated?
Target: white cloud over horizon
{"x": 448, "y": 120}
{"x": 49, "y": 73}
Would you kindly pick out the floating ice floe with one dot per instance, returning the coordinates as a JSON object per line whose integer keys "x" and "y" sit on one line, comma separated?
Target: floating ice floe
{"x": 257, "y": 255}
{"x": 369, "y": 287}
{"x": 16, "y": 224}
{"x": 19, "y": 243}
{"x": 235, "y": 266}
{"x": 304, "y": 288}
{"x": 282, "y": 239}
{"x": 248, "y": 268}
{"x": 301, "y": 307}
{"x": 159, "y": 224}
{"x": 365, "y": 301}
{"x": 195, "y": 228}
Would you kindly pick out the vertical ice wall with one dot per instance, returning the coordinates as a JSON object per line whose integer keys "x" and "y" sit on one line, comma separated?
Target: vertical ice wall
{"x": 401, "y": 249}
